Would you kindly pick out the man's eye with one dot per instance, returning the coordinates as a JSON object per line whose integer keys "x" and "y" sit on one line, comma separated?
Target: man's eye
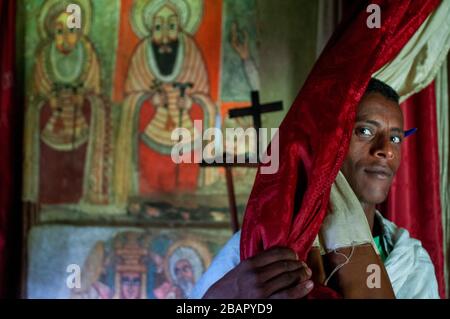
{"x": 172, "y": 26}
{"x": 158, "y": 27}
{"x": 396, "y": 139}
{"x": 364, "y": 131}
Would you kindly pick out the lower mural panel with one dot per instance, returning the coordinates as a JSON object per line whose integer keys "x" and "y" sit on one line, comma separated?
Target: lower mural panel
{"x": 118, "y": 263}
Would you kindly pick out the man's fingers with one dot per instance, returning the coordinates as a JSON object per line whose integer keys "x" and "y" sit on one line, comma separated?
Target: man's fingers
{"x": 297, "y": 292}
{"x": 286, "y": 280}
{"x": 272, "y": 255}
{"x": 277, "y": 268}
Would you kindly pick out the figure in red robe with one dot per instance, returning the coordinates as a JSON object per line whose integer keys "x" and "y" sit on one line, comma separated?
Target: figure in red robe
{"x": 67, "y": 137}
{"x": 167, "y": 87}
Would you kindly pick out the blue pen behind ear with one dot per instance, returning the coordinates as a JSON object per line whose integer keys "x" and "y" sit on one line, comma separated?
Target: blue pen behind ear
{"x": 410, "y": 132}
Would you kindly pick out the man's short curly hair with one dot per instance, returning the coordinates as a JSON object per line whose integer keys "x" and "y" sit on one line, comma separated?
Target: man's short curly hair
{"x": 377, "y": 86}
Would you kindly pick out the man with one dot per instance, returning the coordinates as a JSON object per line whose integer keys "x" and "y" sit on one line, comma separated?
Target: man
{"x": 370, "y": 165}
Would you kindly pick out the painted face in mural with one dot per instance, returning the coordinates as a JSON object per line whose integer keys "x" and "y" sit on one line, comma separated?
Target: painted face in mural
{"x": 130, "y": 285}
{"x": 165, "y": 31}
{"x": 184, "y": 275}
{"x": 66, "y": 39}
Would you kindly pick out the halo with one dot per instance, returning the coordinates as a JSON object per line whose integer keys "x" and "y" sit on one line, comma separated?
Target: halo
{"x": 187, "y": 247}
{"x": 86, "y": 14}
{"x": 190, "y": 11}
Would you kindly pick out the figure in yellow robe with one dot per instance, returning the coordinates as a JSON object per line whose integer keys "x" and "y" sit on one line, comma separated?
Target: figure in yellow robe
{"x": 67, "y": 135}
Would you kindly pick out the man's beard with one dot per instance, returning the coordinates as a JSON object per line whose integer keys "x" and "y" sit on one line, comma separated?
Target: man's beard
{"x": 185, "y": 285}
{"x": 165, "y": 55}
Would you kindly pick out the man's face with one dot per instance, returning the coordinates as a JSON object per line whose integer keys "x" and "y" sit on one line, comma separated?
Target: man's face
{"x": 130, "y": 283}
{"x": 66, "y": 39}
{"x": 375, "y": 148}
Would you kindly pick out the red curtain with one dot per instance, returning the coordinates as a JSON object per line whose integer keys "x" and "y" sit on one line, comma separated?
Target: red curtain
{"x": 414, "y": 200}
{"x": 288, "y": 207}
{"x": 8, "y": 137}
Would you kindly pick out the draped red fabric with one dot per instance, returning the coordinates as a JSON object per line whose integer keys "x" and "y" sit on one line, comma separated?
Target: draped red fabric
{"x": 414, "y": 199}
{"x": 287, "y": 208}
{"x": 7, "y": 34}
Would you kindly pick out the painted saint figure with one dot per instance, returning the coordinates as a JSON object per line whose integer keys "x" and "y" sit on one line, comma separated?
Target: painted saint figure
{"x": 185, "y": 262}
{"x": 167, "y": 87}
{"x": 67, "y": 138}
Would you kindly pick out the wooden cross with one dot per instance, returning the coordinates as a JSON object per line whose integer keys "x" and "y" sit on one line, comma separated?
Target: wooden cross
{"x": 255, "y": 110}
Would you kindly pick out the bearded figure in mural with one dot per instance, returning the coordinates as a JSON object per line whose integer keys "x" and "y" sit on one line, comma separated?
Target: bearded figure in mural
{"x": 185, "y": 262}
{"x": 67, "y": 136}
{"x": 167, "y": 87}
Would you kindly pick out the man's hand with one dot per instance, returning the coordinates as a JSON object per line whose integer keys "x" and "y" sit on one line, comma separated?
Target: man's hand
{"x": 275, "y": 273}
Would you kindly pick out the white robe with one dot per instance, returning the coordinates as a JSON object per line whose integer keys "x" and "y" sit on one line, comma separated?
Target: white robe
{"x": 408, "y": 264}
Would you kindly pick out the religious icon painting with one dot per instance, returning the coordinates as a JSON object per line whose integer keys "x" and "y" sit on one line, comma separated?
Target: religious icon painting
{"x": 125, "y": 263}
{"x": 171, "y": 82}
{"x": 175, "y": 79}
{"x": 105, "y": 98}
{"x": 68, "y": 136}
